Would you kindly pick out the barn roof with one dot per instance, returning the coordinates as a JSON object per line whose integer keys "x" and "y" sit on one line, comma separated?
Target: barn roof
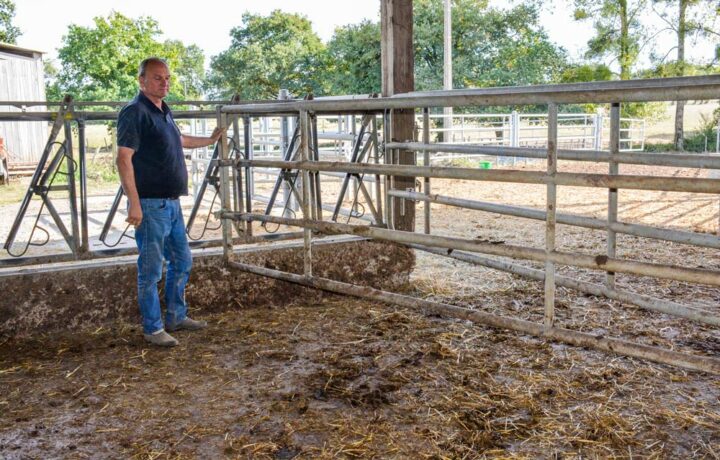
{"x": 17, "y": 50}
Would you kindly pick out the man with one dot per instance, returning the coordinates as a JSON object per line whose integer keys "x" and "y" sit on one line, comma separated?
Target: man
{"x": 153, "y": 174}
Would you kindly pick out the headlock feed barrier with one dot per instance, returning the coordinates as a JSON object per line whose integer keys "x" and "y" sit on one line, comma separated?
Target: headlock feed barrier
{"x": 373, "y": 172}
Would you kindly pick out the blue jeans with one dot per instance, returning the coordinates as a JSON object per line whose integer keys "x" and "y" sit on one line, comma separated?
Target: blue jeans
{"x": 161, "y": 236}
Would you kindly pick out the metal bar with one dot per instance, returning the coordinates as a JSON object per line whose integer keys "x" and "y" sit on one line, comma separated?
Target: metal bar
{"x": 72, "y": 195}
{"x": 387, "y": 161}
{"x": 601, "y": 262}
{"x": 107, "y": 253}
{"x": 327, "y": 207}
{"x": 224, "y": 186}
{"x": 211, "y": 171}
{"x": 613, "y": 169}
{"x": 655, "y": 183}
{"x": 369, "y": 200}
{"x": 35, "y": 181}
{"x": 598, "y": 156}
{"x": 249, "y": 179}
{"x": 645, "y": 231}
{"x": 316, "y": 176}
{"x": 551, "y": 208}
{"x": 305, "y": 182}
{"x": 426, "y": 163}
{"x": 82, "y": 164}
{"x": 58, "y": 221}
{"x": 644, "y": 90}
{"x": 289, "y": 155}
{"x": 692, "y": 313}
{"x": 21, "y": 104}
{"x": 376, "y": 158}
{"x": 580, "y": 339}
{"x": 312, "y": 149}
{"x": 238, "y": 193}
{"x": 95, "y": 116}
{"x": 354, "y": 158}
{"x": 111, "y": 214}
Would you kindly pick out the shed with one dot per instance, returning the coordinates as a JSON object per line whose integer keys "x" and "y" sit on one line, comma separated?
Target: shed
{"x": 22, "y": 78}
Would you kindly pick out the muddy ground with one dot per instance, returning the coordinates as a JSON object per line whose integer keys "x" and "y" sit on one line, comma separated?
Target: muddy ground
{"x": 356, "y": 379}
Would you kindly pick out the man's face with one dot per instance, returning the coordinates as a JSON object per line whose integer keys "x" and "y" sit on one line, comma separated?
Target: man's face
{"x": 156, "y": 82}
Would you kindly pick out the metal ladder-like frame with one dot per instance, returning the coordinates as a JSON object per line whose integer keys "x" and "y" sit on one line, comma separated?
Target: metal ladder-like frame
{"x": 41, "y": 184}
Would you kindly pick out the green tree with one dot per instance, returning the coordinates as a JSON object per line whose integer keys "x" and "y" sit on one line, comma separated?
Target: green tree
{"x": 8, "y": 32}
{"x": 586, "y": 72}
{"x": 354, "y": 51}
{"x": 618, "y": 30}
{"x": 268, "y": 53}
{"x": 687, "y": 19}
{"x": 100, "y": 63}
{"x": 491, "y": 46}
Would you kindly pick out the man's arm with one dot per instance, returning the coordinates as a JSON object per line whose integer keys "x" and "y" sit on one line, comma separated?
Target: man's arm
{"x": 127, "y": 179}
{"x": 193, "y": 142}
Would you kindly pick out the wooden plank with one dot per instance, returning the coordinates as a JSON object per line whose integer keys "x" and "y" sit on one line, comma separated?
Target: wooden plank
{"x": 398, "y": 77}
{"x": 22, "y": 79}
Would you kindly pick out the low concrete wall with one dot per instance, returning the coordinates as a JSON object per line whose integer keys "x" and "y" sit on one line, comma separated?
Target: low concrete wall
{"x": 86, "y": 297}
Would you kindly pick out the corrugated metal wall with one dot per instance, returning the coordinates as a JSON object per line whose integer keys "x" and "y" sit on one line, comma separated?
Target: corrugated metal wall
{"x": 22, "y": 79}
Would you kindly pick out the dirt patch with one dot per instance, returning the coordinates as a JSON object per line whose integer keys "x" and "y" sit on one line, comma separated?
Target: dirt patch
{"x": 70, "y": 298}
{"x": 344, "y": 378}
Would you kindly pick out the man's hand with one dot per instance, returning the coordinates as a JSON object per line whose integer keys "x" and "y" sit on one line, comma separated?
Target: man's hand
{"x": 135, "y": 215}
{"x": 217, "y": 132}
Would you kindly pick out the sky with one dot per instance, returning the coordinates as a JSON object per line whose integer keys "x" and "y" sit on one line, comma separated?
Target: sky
{"x": 208, "y": 23}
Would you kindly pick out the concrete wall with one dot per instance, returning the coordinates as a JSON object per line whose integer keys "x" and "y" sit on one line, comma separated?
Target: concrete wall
{"x": 75, "y": 298}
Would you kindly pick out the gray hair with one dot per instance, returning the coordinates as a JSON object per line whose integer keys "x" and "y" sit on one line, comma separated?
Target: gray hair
{"x": 148, "y": 61}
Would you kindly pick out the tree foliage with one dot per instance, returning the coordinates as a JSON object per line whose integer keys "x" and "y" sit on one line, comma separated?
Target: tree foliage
{"x": 689, "y": 20}
{"x": 8, "y": 32}
{"x": 354, "y": 59}
{"x": 491, "y": 46}
{"x": 586, "y": 72}
{"x": 618, "y": 31}
{"x": 101, "y": 62}
{"x": 268, "y": 53}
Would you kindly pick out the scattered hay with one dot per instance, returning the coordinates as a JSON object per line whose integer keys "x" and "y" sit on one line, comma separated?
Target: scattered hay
{"x": 345, "y": 378}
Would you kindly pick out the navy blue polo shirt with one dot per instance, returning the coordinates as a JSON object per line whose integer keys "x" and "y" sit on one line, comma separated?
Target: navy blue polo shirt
{"x": 158, "y": 161}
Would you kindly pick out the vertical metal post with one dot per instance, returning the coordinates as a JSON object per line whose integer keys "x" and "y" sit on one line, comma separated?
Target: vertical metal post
{"x": 75, "y": 246}
{"x": 82, "y": 165}
{"x": 514, "y": 129}
{"x": 376, "y": 157}
{"x": 614, "y": 169}
{"x": 238, "y": 199}
{"x": 426, "y": 162}
{"x": 388, "y": 157}
{"x": 315, "y": 176}
{"x": 247, "y": 135}
{"x": 285, "y": 130}
{"x": 551, "y": 210}
{"x": 305, "y": 181}
{"x": 598, "y": 125}
{"x": 225, "y": 205}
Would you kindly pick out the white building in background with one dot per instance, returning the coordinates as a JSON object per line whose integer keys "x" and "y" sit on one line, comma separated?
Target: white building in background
{"x": 22, "y": 78}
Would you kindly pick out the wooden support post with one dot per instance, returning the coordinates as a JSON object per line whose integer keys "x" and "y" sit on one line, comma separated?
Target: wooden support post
{"x": 398, "y": 77}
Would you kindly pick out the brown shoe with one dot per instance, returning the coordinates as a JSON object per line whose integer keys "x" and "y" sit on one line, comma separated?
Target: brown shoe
{"x": 161, "y": 339}
{"x": 187, "y": 325}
